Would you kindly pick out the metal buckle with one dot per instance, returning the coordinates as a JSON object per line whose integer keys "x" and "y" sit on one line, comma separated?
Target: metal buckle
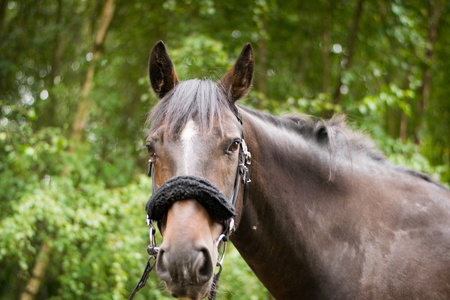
{"x": 222, "y": 240}
{"x": 149, "y": 171}
{"x": 231, "y": 225}
{"x": 247, "y": 154}
{"x": 219, "y": 243}
{"x": 152, "y": 250}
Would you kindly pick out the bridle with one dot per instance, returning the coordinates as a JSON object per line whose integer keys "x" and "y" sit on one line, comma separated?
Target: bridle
{"x": 242, "y": 174}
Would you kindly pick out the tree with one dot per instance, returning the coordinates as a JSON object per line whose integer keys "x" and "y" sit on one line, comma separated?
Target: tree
{"x": 73, "y": 106}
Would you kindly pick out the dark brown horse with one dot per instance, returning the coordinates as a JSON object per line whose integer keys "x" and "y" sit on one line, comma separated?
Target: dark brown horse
{"x": 326, "y": 217}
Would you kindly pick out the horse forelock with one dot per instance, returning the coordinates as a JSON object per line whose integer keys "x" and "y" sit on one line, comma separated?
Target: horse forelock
{"x": 200, "y": 100}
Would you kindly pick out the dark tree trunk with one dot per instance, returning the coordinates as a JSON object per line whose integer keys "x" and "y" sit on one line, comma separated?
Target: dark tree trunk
{"x": 59, "y": 45}
{"x": 350, "y": 50}
{"x": 434, "y": 15}
{"x": 262, "y": 60}
{"x": 3, "y": 4}
{"x": 326, "y": 55}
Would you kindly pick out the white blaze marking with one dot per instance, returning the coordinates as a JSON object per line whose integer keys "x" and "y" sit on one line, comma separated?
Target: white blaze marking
{"x": 188, "y": 143}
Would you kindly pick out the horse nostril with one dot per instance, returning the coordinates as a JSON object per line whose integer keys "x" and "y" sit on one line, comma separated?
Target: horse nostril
{"x": 162, "y": 266}
{"x": 204, "y": 266}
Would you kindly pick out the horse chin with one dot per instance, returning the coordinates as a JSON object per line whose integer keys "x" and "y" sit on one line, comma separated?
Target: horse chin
{"x": 188, "y": 291}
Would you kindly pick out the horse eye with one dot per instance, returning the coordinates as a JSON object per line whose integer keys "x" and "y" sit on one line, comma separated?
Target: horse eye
{"x": 234, "y": 146}
{"x": 151, "y": 150}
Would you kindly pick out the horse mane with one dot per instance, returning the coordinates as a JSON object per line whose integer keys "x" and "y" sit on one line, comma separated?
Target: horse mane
{"x": 338, "y": 137}
{"x": 334, "y": 132}
{"x": 202, "y": 100}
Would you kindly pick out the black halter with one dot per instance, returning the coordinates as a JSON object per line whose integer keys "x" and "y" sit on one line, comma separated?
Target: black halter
{"x": 190, "y": 187}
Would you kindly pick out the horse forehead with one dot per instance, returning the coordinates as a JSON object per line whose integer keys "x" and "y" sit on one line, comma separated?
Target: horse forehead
{"x": 189, "y": 132}
{"x": 190, "y": 144}
{"x": 190, "y": 129}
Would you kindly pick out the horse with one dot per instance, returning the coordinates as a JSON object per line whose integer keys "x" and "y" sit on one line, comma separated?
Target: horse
{"x": 325, "y": 215}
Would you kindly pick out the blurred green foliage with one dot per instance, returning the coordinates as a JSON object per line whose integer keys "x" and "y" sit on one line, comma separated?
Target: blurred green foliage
{"x": 85, "y": 199}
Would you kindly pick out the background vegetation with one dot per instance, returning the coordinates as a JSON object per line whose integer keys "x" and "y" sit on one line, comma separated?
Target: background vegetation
{"x": 74, "y": 96}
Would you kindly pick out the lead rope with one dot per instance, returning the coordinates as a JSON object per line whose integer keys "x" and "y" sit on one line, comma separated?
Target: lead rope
{"x": 152, "y": 251}
{"x": 215, "y": 284}
{"x": 148, "y": 268}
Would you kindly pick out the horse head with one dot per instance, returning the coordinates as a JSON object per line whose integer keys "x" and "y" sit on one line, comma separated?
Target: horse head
{"x": 195, "y": 144}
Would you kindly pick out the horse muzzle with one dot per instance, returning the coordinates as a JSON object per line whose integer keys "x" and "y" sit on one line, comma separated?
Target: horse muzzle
{"x": 187, "y": 256}
{"x": 187, "y": 274}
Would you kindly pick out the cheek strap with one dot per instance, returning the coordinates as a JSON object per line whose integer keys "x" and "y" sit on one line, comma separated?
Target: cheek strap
{"x": 189, "y": 187}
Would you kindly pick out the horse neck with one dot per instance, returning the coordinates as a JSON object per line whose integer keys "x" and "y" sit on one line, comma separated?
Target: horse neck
{"x": 310, "y": 235}
{"x": 287, "y": 173}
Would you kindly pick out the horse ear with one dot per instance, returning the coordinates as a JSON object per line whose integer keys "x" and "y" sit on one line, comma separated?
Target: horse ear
{"x": 238, "y": 80}
{"x": 161, "y": 71}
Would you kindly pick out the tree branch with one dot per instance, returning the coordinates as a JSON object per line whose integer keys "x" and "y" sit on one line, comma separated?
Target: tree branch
{"x": 82, "y": 115}
{"x": 38, "y": 273}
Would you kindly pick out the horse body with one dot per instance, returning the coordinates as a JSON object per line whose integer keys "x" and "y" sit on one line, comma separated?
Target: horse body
{"x": 373, "y": 231}
{"x": 327, "y": 217}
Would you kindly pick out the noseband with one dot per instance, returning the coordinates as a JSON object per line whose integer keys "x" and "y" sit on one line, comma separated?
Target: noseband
{"x": 192, "y": 187}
